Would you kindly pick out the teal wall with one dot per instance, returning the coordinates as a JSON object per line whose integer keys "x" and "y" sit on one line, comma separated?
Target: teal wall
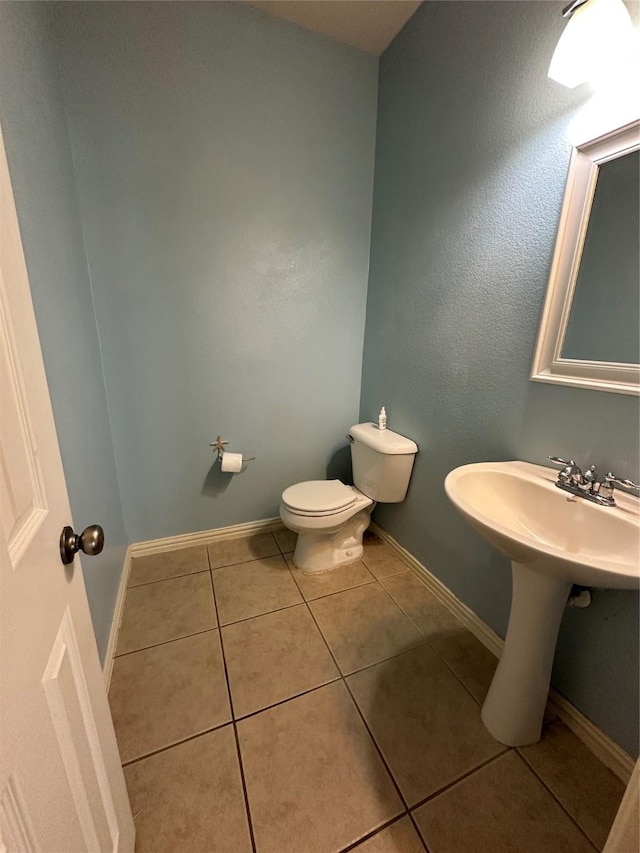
{"x": 471, "y": 160}
{"x": 224, "y": 162}
{"x": 36, "y": 140}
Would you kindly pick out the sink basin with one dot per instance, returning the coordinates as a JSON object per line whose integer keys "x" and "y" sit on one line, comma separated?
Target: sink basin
{"x": 554, "y": 540}
{"x": 518, "y": 509}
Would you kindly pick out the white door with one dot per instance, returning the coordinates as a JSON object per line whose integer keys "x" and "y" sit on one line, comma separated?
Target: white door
{"x": 62, "y": 788}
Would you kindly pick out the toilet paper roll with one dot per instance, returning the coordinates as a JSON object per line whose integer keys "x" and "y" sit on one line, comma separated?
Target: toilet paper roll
{"x": 231, "y": 462}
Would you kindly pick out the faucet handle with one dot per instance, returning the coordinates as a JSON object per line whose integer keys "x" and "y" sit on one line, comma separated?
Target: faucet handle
{"x": 571, "y": 474}
{"x": 590, "y": 476}
{"x": 620, "y": 481}
{"x": 570, "y": 468}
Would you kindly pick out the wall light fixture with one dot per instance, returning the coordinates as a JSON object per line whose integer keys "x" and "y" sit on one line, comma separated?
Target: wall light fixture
{"x": 597, "y": 40}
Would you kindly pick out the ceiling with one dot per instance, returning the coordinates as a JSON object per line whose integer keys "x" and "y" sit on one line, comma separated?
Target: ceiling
{"x": 369, "y": 25}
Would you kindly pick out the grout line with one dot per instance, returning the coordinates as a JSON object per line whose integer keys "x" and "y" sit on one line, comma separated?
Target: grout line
{"x": 166, "y": 642}
{"x": 452, "y": 670}
{"x": 175, "y": 743}
{"x": 417, "y": 829}
{"x": 407, "y": 570}
{"x": 336, "y": 592}
{"x": 339, "y": 677}
{"x": 213, "y": 597}
{"x": 243, "y": 562}
{"x": 196, "y": 571}
{"x": 573, "y": 820}
{"x": 400, "y": 607}
{"x": 224, "y": 660}
{"x": 359, "y": 712}
{"x": 423, "y": 640}
{"x": 290, "y": 551}
{"x": 343, "y": 676}
{"x": 406, "y": 651}
{"x": 258, "y": 615}
{"x": 235, "y": 729}
{"x": 162, "y": 580}
{"x": 461, "y": 778}
{"x": 244, "y": 789}
{"x": 402, "y": 571}
{"x": 373, "y": 833}
{"x": 289, "y": 698}
{"x": 294, "y": 571}
{"x": 403, "y": 799}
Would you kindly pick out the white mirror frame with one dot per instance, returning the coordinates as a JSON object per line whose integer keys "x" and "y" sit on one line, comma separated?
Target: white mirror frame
{"x": 548, "y": 365}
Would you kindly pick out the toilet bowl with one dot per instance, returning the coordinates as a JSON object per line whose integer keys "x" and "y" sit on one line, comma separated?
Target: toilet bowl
{"x": 329, "y": 517}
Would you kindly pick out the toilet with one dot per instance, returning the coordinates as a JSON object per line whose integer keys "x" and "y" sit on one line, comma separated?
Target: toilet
{"x": 329, "y": 517}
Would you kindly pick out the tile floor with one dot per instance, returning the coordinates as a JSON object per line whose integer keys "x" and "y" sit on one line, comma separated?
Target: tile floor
{"x": 260, "y": 709}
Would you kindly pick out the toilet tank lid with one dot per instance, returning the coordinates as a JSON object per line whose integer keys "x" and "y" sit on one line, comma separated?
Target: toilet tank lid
{"x": 382, "y": 440}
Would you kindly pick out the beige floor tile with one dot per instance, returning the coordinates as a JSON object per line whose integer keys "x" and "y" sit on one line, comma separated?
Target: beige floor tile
{"x": 380, "y": 560}
{"x": 166, "y": 693}
{"x": 168, "y": 564}
{"x": 587, "y": 789}
{"x": 189, "y": 798}
{"x": 251, "y": 589}
{"x": 286, "y": 539}
{"x": 314, "y": 779}
{"x": 471, "y": 661}
{"x": 228, "y": 552}
{"x": 502, "y": 808}
{"x": 424, "y": 721}
{"x": 429, "y": 616}
{"x": 325, "y": 583}
{"x": 273, "y": 657}
{"x": 363, "y": 626}
{"x": 400, "y": 837}
{"x": 166, "y": 610}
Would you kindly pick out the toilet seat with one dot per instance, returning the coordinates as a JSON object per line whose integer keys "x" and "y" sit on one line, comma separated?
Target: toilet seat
{"x": 316, "y": 498}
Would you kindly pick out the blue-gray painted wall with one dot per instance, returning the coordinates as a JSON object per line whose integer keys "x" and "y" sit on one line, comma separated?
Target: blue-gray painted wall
{"x": 36, "y": 141}
{"x": 471, "y": 160}
{"x": 224, "y": 162}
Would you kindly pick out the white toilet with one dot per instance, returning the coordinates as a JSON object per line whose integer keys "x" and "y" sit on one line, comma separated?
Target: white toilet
{"x": 329, "y": 517}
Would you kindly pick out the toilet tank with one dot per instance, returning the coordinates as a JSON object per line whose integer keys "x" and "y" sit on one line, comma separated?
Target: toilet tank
{"x": 382, "y": 461}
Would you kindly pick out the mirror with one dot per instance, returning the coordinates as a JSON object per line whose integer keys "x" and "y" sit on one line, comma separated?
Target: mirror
{"x": 590, "y": 328}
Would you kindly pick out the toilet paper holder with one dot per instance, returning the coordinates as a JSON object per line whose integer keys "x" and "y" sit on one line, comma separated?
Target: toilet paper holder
{"x": 219, "y": 446}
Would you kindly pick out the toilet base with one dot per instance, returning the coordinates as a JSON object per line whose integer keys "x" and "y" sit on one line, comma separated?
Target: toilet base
{"x": 321, "y": 551}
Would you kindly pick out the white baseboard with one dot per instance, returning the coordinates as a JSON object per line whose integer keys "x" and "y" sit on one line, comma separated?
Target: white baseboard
{"x": 611, "y": 755}
{"x": 172, "y": 543}
{"x": 107, "y": 668}
{"x": 202, "y": 537}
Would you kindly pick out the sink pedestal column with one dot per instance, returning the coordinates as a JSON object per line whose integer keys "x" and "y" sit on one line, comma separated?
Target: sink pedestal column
{"x": 514, "y": 707}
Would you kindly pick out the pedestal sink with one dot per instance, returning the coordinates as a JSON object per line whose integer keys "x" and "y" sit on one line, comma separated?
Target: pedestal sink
{"x": 554, "y": 540}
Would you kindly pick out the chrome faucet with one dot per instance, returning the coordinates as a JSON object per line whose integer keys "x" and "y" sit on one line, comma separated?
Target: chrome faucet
{"x": 572, "y": 479}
